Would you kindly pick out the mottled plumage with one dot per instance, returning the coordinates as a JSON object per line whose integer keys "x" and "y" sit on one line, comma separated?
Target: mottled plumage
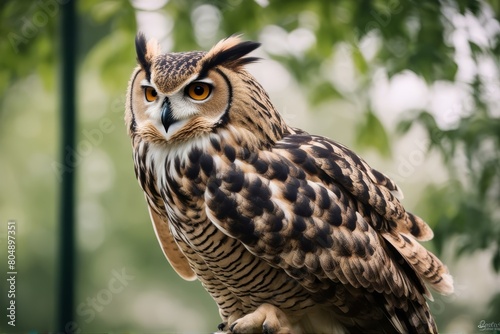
{"x": 288, "y": 232}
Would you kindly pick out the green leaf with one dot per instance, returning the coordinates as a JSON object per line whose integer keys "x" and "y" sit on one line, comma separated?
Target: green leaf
{"x": 405, "y": 125}
{"x": 488, "y": 173}
{"x": 371, "y": 134}
{"x": 323, "y": 92}
{"x": 359, "y": 61}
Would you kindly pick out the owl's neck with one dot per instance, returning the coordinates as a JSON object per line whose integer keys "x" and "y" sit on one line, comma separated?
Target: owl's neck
{"x": 252, "y": 117}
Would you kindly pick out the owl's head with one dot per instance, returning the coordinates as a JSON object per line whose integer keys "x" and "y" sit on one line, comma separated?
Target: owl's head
{"x": 178, "y": 97}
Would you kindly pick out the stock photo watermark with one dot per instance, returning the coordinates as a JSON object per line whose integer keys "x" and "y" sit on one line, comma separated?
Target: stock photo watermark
{"x": 95, "y": 304}
{"x": 485, "y": 326}
{"x": 11, "y": 272}
{"x": 41, "y": 12}
{"x": 92, "y": 138}
{"x": 73, "y": 155}
{"x": 383, "y": 16}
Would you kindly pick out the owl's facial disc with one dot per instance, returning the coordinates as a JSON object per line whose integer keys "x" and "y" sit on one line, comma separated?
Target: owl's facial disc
{"x": 194, "y": 108}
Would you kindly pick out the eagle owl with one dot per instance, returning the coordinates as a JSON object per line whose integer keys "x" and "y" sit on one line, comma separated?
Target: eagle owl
{"x": 289, "y": 232}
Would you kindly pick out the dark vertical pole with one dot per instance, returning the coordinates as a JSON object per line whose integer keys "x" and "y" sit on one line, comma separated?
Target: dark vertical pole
{"x": 66, "y": 279}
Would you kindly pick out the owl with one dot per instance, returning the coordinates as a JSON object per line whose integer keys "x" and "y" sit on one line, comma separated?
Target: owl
{"x": 288, "y": 232}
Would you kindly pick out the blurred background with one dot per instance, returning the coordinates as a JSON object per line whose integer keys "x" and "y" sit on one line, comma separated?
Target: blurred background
{"x": 412, "y": 86}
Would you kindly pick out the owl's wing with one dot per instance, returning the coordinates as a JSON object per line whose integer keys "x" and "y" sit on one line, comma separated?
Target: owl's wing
{"x": 374, "y": 196}
{"x": 172, "y": 252}
{"x": 316, "y": 210}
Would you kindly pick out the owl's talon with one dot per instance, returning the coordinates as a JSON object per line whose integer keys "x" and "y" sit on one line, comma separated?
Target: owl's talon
{"x": 267, "y": 319}
{"x": 266, "y": 329}
{"x": 222, "y": 326}
{"x": 231, "y": 328}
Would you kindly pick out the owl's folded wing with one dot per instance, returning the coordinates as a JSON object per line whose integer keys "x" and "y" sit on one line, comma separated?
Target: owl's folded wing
{"x": 315, "y": 221}
{"x": 172, "y": 252}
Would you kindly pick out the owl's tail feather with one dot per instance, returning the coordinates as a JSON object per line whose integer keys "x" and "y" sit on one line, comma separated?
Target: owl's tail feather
{"x": 426, "y": 265}
{"x": 415, "y": 319}
{"x": 417, "y": 227}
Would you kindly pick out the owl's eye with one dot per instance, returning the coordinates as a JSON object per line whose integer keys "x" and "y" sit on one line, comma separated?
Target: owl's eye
{"x": 150, "y": 94}
{"x": 198, "y": 91}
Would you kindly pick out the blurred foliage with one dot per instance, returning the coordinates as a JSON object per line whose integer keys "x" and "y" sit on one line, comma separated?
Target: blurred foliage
{"x": 407, "y": 36}
{"x": 469, "y": 202}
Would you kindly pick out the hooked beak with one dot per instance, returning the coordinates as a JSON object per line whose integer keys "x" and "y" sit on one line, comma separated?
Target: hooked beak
{"x": 166, "y": 115}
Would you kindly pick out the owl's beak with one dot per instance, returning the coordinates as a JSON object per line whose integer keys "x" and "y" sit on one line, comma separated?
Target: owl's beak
{"x": 166, "y": 115}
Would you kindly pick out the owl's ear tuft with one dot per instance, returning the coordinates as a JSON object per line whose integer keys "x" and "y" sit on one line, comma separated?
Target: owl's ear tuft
{"x": 146, "y": 51}
{"x": 230, "y": 53}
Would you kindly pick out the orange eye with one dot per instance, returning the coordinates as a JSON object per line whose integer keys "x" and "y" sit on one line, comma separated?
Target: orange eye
{"x": 150, "y": 94}
{"x": 199, "y": 91}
